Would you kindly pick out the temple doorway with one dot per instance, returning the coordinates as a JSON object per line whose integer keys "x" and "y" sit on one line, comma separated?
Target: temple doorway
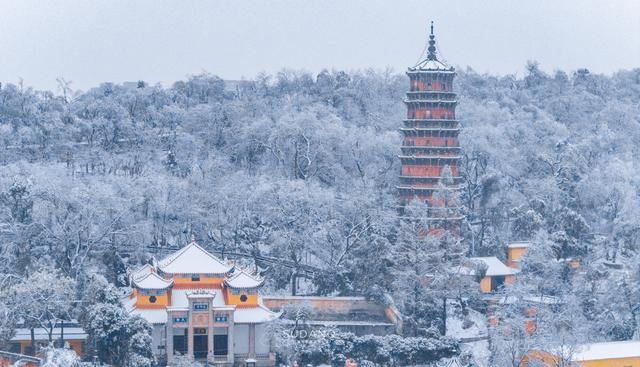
{"x": 200, "y": 343}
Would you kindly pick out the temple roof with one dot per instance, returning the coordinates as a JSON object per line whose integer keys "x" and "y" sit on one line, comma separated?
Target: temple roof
{"x": 151, "y": 281}
{"x": 243, "y": 279}
{"x": 193, "y": 259}
{"x": 495, "y": 267}
{"x": 254, "y": 315}
{"x": 142, "y": 272}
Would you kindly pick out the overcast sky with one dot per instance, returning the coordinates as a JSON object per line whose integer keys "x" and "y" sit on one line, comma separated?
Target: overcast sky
{"x": 89, "y": 42}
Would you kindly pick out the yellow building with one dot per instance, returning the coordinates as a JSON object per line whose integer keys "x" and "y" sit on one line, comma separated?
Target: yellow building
{"x": 496, "y": 273}
{"x": 71, "y": 334}
{"x": 610, "y": 354}
{"x": 515, "y": 252}
{"x": 203, "y": 307}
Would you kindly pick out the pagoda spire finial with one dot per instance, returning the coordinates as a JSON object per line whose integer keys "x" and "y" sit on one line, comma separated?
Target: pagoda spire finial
{"x": 432, "y": 45}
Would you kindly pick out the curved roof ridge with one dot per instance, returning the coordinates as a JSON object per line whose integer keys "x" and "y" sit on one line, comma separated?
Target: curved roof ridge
{"x": 157, "y": 282}
{"x": 244, "y": 279}
{"x": 165, "y": 263}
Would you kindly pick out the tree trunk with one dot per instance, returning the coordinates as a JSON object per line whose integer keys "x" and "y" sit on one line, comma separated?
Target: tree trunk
{"x": 33, "y": 342}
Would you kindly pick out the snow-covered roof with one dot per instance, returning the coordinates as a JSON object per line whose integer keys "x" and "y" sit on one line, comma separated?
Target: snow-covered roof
{"x": 435, "y": 65}
{"x": 180, "y": 297}
{"x": 152, "y": 281}
{"x": 70, "y": 333}
{"x": 519, "y": 244}
{"x": 243, "y": 279}
{"x": 141, "y": 271}
{"x": 193, "y": 259}
{"x": 495, "y": 267}
{"x": 254, "y": 315}
{"x": 607, "y": 350}
{"x": 154, "y": 316}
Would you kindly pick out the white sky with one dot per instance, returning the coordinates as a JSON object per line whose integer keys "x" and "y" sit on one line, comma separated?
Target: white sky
{"x": 89, "y": 42}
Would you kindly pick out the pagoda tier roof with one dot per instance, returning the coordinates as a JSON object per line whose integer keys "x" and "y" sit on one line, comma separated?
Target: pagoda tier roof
{"x": 429, "y": 177}
{"x": 429, "y": 129}
{"x": 193, "y": 259}
{"x": 430, "y": 120}
{"x": 431, "y": 66}
{"x": 242, "y": 279}
{"x": 456, "y": 157}
{"x": 428, "y": 188}
{"x": 152, "y": 281}
{"x": 432, "y": 147}
{"x": 439, "y": 101}
{"x": 430, "y": 92}
{"x": 434, "y": 219}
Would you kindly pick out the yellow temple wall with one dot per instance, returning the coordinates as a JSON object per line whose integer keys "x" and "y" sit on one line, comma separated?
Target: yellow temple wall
{"x": 234, "y": 299}
{"x": 204, "y": 282}
{"x": 514, "y": 254}
{"x": 485, "y": 285}
{"x": 161, "y": 301}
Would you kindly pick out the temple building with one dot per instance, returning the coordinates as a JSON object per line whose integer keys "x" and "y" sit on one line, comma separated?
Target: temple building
{"x": 203, "y": 307}
{"x": 430, "y": 150}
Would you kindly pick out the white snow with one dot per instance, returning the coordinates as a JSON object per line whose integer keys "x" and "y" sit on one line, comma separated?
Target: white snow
{"x": 243, "y": 279}
{"x": 254, "y": 315}
{"x": 495, "y": 267}
{"x": 75, "y": 333}
{"x": 153, "y": 316}
{"x": 193, "y": 259}
{"x": 595, "y": 351}
{"x": 456, "y": 320}
{"x": 152, "y": 281}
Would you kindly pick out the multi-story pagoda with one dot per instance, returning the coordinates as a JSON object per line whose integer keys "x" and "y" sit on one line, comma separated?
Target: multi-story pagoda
{"x": 430, "y": 149}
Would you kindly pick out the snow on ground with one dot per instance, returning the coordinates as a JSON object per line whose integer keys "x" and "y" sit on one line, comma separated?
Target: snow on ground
{"x": 479, "y": 350}
{"x": 465, "y": 327}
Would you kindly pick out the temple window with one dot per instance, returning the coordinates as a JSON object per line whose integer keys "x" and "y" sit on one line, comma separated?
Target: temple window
{"x": 195, "y": 278}
{"x": 152, "y": 299}
{"x": 243, "y": 298}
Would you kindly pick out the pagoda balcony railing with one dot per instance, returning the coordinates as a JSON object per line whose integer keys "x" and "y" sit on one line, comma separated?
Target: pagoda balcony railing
{"x": 429, "y": 129}
{"x": 434, "y": 147}
{"x": 437, "y": 178}
{"x": 442, "y": 119}
{"x": 454, "y": 157}
{"x": 416, "y": 91}
{"x": 437, "y": 101}
{"x": 428, "y": 188}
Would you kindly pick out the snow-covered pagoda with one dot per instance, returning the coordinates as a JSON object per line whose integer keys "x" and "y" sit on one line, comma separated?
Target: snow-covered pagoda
{"x": 203, "y": 307}
{"x": 430, "y": 150}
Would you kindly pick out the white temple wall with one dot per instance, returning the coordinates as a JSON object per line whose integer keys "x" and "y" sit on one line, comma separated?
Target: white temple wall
{"x": 262, "y": 340}
{"x": 241, "y": 338}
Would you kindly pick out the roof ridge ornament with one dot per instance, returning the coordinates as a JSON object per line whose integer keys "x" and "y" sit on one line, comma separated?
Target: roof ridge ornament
{"x": 193, "y": 238}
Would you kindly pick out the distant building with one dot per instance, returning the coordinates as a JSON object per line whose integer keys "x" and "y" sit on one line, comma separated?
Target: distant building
{"x": 349, "y": 314}
{"x": 491, "y": 272}
{"x": 70, "y": 334}
{"x": 203, "y": 307}
{"x": 515, "y": 252}
{"x": 609, "y": 354}
{"x": 430, "y": 140}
